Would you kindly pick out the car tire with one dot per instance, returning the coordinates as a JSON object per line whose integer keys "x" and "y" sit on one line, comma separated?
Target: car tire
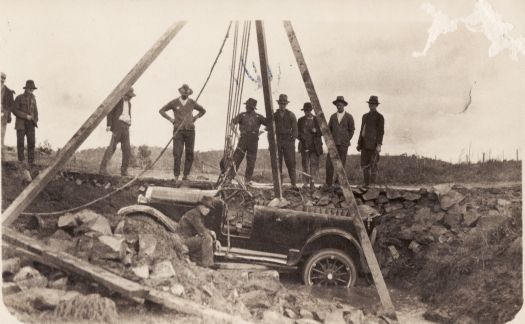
{"x": 330, "y": 267}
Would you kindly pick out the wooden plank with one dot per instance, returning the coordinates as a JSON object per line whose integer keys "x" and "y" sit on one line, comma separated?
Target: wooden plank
{"x": 39, "y": 183}
{"x": 268, "y": 106}
{"x": 341, "y": 174}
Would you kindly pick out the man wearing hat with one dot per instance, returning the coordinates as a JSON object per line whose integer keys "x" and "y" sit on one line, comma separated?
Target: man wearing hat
{"x": 118, "y": 122}
{"x": 310, "y": 144}
{"x": 249, "y": 125}
{"x": 342, "y": 127}
{"x": 26, "y": 112}
{"x": 7, "y": 102}
{"x": 183, "y": 107}
{"x": 370, "y": 140}
{"x": 196, "y": 236}
{"x": 286, "y": 131}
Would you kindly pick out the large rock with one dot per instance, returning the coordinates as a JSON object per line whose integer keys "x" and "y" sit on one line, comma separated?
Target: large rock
{"x": 10, "y": 266}
{"x": 29, "y": 277}
{"x": 162, "y": 270}
{"x": 366, "y": 211}
{"x": 335, "y": 317}
{"x": 67, "y": 220}
{"x": 452, "y": 220}
{"x": 492, "y": 221}
{"x": 109, "y": 247}
{"x": 392, "y": 194}
{"x": 441, "y": 189}
{"x": 450, "y": 199}
{"x": 324, "y": 200}
{"x": 92, "y": 222}
{"x": 272, "y": 317}
{"x": 382, "y": 199}
{"x": 411, "y": 196}
{"x": 141, "y": 271}
{"x": 424, "y": 217}
{"x": 438, "y": 230}
{"x": 39, "y": 298}
{"x": 147, "y": 244}
{"x": 355, "y": 317}
{"x": 390, "y": 207}
{"x": 371, "y": 194}
{"x": 271, "y": 275}
{"x": 271, "y": 286}
{"x": 255, "y": 298}
{"x": 470, "y": 218}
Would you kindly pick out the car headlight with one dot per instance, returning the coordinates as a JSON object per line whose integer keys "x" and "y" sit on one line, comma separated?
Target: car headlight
{"x": 142, "y": 200}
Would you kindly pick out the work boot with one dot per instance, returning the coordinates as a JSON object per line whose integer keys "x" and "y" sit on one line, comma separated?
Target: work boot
{"x": 185, "y": 177}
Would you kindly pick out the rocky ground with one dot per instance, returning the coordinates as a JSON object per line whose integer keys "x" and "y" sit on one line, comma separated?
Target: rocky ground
{"x": 458, "y": 250}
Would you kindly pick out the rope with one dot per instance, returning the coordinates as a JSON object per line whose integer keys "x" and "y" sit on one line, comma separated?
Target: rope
{"x": 148, "y": 167}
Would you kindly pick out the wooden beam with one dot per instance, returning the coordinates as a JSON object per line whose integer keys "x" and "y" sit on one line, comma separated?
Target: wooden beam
{"x": 341, "y": 174}
{"x": 39, "y": 183}
{"x": 36, "y": 250}
{"x": 268, "y": 105}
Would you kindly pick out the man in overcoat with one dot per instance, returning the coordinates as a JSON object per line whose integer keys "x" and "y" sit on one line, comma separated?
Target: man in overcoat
{"x": 310, "y": 145}
{"x": 342, "y": 127}
{"x": 26, "y": 112}
{"x": 371, "y": 140}
{"x": 184, "y": 120}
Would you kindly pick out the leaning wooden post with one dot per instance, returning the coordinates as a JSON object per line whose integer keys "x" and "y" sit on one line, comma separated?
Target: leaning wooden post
{"x": 267, "y": 90}
{"x": 341, "y": 174}
{"x": 30, "y": 192}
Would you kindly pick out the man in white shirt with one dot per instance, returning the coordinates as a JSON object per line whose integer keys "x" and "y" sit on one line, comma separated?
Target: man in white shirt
{"x": 118, "y": 122}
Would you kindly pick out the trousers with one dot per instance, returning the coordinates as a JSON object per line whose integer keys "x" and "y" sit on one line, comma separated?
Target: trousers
{"x": 247, "y": 146}
{"x": 310, "y": 161}
{"x": 369, "y": 159}
{"x": 21, "y": 134}
{"x": 202, "y": 248}
{"x": 118, "y": 136}
{"x": 342, "y": 151}
{"x": 286, "y": 151}
{"x": 184, "y": 140}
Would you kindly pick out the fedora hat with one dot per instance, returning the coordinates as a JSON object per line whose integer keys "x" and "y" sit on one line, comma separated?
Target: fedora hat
{"x": 185, "y": 89}
{"x": 251, "y": 103}
{"x": 130, "y": 93}
{"x": 207, "y": 201}
{"x": 340, "y": 99}
{"x": 373, "y": 100}
{"x": 30, "y": 84}
{"x": 283, "y": 99}
{"x": 307, "y": 106}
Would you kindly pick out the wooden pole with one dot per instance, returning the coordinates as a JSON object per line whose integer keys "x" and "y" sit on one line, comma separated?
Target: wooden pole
{"x": 31, "y": 192}
{"x": 341, "y": 174}
{"x": 268, "y": 105}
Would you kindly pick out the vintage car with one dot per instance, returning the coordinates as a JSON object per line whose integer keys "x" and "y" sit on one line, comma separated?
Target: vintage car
{"x": 320, "y": 242}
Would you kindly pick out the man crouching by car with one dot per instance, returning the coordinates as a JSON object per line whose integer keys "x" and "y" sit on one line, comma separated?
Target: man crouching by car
{"x": 195, "y": 235}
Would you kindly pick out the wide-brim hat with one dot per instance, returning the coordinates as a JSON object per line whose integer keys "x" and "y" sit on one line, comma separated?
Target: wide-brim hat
{"x": 185, "y": 90}
{"x": 373, "y": 100}
{"x": 251, "y": 103}
{"x": 340, "y": 99}
{"x": 130, "y": 93}
{"x": 207, "y": 201}
{"x": 307, "y": 106}
{"x": 30, "y": 84}
{"x": 283, "y": 99}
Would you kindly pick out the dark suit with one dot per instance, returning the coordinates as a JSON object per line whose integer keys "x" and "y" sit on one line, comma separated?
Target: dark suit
{"x": 286, "y": 131}
{"x": 196, "y": 236}
{"x": 310, "y": 146}
{"x": 25, "y": 108}
{"x": 342, "y": 132}
{"x": 371, "y": 134}
{"x": 119, "y": 134}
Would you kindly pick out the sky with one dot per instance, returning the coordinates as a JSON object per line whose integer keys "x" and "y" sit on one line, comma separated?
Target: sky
{"x": 421, "y": 58}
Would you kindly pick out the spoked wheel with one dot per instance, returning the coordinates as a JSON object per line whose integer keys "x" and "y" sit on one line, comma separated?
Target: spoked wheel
{"x": 330, "y": 267}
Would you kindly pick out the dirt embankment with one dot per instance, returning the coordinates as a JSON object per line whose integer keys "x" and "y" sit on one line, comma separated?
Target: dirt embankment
{"x": 458, "y": 249}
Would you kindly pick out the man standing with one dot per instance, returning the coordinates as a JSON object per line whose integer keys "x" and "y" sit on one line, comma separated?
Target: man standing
{"x": 196, "y": 236}
{"x": 286, "y": 131}
{"x": 249, "y": 124}
{"x": 7, "y": 102}
{"x": 118, "y": 122}
{"x": 310, "y": 144}
{"x": 370, "y": 140}
{"x": 185, "y": 138}
{"x": 342, "y": 127}
{"x": 26, "y": 113}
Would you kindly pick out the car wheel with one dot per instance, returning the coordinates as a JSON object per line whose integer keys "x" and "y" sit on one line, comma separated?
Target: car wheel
{"x": 330, "y": 267}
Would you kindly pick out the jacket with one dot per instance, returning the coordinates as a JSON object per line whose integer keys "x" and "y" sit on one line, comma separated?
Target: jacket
{"x": 183, "y": 113}
{"x": 249, "y": 123}
{"x": 113, "y": 119}
{"x": 285, "y": 125}
{"x": 25, "y": 106}
{"x": 372, "y": 131}
{"x": 307, "y": 135}
{"x": 192, "y": 223}
{"x": 7, "y": 102}
{"x": 343, "y": 131}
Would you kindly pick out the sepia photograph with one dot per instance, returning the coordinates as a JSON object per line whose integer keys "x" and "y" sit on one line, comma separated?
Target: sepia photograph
{"x": 338, "y": 161}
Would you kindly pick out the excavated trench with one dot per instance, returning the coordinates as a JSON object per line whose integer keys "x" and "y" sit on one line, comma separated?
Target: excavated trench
{"x": 435, "y": 247}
